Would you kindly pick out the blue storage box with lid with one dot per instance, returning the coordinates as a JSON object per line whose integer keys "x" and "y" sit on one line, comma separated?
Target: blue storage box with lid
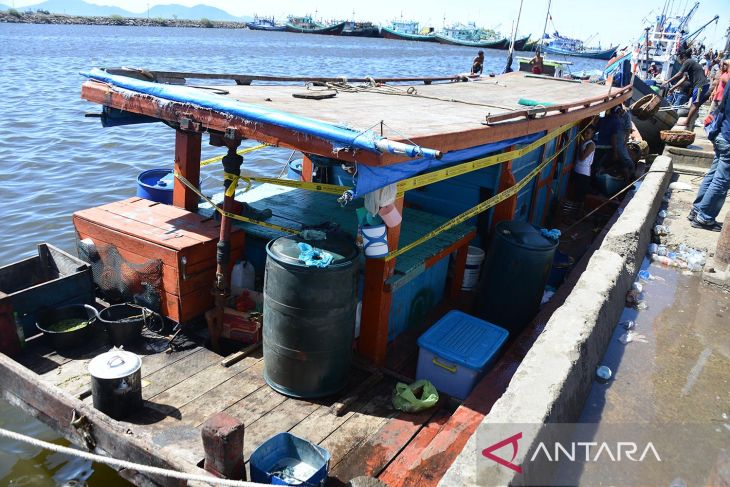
{"x": 456, "y": 351}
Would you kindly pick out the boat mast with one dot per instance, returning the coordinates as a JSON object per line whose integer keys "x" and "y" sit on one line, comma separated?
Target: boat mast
{"x": 544, "y": 29}
{"x": 508, "y": 68}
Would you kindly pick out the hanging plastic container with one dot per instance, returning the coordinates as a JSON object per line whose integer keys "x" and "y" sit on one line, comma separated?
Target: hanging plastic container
{"x": 309, "y": 318}
{"x": 516, "y": 270}
{"x": 243, "y": 276}
{"x": 375, "y": 240}
{"x": 474, "y": 259}
{"x": 156, "y": 185}
{"x": 390, "y": 215}
{"x": 285, "y": 459}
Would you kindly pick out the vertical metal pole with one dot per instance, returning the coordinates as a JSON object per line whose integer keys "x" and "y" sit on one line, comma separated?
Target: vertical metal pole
{"x": 231, "y": 165}
{"x": 544, "y": 29}
{"x": 647, "y": 52}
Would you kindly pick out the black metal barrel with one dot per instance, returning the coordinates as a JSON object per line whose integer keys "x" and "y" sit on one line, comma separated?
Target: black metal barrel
{"x": 309, "y": 318}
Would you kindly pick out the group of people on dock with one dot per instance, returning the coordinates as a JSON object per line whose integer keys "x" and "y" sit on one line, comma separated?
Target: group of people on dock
{"x": 604, "y": 147}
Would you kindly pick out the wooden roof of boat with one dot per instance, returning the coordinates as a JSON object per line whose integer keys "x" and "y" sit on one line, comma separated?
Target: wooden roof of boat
{"x": 437, "y": 113}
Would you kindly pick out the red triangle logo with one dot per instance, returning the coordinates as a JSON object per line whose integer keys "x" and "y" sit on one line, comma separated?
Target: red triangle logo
{"x": 487, "y": 452}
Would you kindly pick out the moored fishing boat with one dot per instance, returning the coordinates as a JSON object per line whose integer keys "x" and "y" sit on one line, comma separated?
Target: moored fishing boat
{"x": 406, "y": 31}
{"x": 520, "y": 44}
{"x": 360, "y": 29}
{"x": 469, "y": 36}
{"x": 461, "y": 175}
{"x": 566, "y": 46}
{"x": 307, "y": 25}
{"x": 595, "y": 53}
{"x": 266, "y": 24}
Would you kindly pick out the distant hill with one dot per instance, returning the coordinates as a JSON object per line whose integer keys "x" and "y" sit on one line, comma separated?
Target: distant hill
{"x": 78, "y": 7}
{"x": 4, "y": 7}
{"x": 191, "y": 13}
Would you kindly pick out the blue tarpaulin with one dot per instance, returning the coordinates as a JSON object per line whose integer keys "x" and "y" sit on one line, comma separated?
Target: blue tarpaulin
{"x": 371, "y": 178}
{"x": 340, "y": 137}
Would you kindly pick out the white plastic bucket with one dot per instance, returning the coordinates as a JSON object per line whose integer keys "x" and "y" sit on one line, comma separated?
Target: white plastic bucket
{"x": 474, "y": 258}
{"x": 375, "y": 240}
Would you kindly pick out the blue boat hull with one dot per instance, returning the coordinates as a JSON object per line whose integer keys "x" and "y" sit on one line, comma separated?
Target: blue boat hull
{"x": 605, "y": 54}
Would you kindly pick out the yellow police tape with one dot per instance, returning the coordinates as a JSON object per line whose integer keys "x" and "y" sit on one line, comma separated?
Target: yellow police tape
{"x": 484, "y": 205}
{"x": 233, "y": 216}
{"x": 410, "y": 183}
{"x": 450, "y": 172}
{"x": 241, "y": 152}
{"x": 405, "y": 185}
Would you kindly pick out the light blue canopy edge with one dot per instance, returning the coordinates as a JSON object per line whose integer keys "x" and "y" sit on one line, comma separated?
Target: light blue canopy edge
{"x": 371, "y": 178}
{"x": 340, "y": 137}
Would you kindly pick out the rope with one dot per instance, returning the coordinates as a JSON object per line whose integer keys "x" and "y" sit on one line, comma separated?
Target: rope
{"x": 123, "y": 464}
{"x": 411, "y": 91}
{"x": 240, "y": 152}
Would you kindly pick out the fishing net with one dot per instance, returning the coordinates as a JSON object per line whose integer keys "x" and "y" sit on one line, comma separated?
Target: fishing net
{"x": 118, "y": 280}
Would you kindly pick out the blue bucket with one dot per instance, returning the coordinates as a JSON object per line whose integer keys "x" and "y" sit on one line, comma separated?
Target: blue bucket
{"x": 294, "y": 170}
{"x": 156, "y": 185}
{"x": 285, "y": 459}
{"x": 562, "y": 263}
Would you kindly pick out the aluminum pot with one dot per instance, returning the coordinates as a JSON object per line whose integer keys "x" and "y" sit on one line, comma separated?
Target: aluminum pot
{"x": 116, "y": 383}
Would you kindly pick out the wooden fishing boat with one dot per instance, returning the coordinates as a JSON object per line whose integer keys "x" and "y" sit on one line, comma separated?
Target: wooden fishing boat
{"x": 521, "y": 44}
{"x": 604, "y": 54}
{"x": 360, "y": 29}
{"x": 469, "y": 36}
{"x": 485, "y": 159}
{"x": 406, "y": 31}
{"x": 551, "y": 67}
{"x": 266, "y": 24}
{"x": 306, "y": 25}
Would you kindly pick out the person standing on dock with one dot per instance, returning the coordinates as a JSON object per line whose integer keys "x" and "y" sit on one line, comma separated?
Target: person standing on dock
{"x": 583, "y": 163}
{"x": 715, "y": 185}
{"x": 477, "y": 66}
{"x": 537, "y": 63}
{"x": 692, "y": 71}
{"x": 625, "y": 127}
{"x": 718, "y": 85}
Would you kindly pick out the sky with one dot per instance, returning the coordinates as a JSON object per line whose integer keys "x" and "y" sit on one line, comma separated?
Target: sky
{"x": 607, "y": 22}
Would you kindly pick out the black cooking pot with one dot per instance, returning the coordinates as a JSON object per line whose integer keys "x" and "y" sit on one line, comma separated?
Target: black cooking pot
{"x": 116, "y": 383}
{"x": 124, "y": 322}
{"x": 59, "y": 339}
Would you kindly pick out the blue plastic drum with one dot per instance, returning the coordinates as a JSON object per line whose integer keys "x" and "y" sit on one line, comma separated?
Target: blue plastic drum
{"x": 156, "y": 185}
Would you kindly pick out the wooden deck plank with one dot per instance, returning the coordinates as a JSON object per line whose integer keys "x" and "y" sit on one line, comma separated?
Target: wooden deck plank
{"x": 198, "y": 384}
{"x": 162, "y": 380}
{"x": 224, "y": 395}
{"x": 376, "y": 453}
{"x": 253, "y": 406}
{"x": 394, "y": 471}
{"x": 282, "y": 418}
{"x": 363, "y": 423}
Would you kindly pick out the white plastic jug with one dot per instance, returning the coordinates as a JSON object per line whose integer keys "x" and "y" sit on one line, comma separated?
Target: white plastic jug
{"x": 243, "y": 276}
{"x": 474, "y": 258}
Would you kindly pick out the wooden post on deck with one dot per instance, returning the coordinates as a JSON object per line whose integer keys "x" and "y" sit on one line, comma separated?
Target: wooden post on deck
{"x": 506, "y": 209}
{"x": 223, "y": 444}
{"x": 376, "y": 301}
{"x": 307, "y": 169}
{"x": 187, "y": 163}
